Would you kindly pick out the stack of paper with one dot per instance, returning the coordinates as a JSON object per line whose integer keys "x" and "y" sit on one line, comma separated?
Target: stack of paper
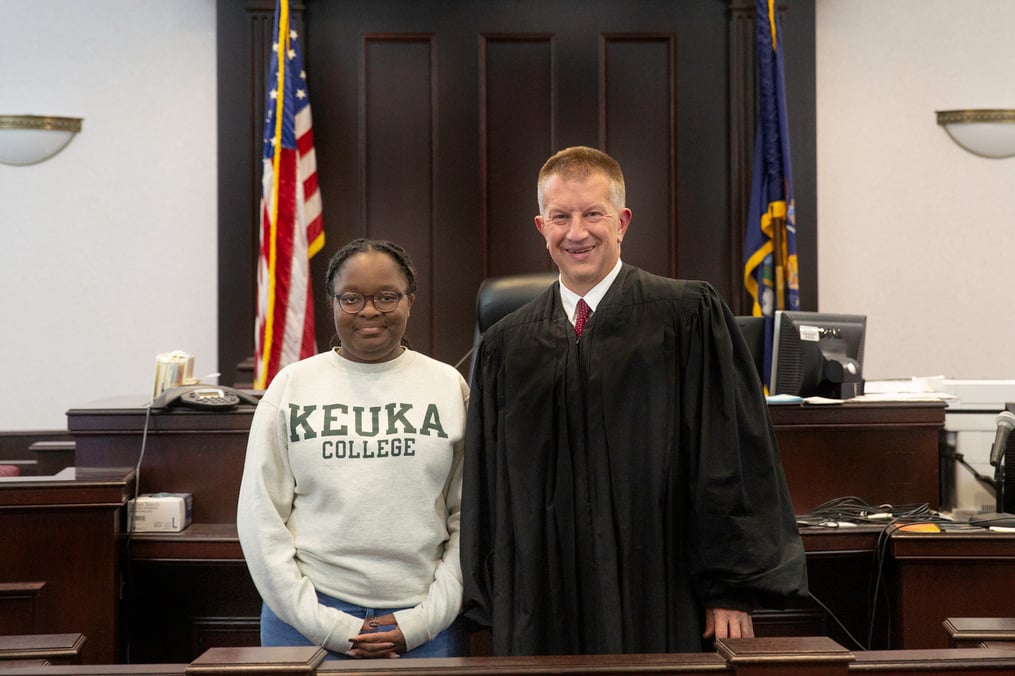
{"x": 172, "y": 369}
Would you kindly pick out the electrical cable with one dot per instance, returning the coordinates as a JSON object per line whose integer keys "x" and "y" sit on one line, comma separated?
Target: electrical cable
{"x": 877, "y": 577}
{"x": 837, "y": 621}
{"x": 131, "y": 521}
{"x": 853, "y": 511}
{"x": 961, "y": 459}
{"x": 466, "y": 355}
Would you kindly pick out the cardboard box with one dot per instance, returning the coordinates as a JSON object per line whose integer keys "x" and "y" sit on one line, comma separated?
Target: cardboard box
{"x": 159, "y": 512}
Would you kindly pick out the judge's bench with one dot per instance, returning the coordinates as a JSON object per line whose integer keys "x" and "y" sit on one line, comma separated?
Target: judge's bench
{"x": 170, "y": 597}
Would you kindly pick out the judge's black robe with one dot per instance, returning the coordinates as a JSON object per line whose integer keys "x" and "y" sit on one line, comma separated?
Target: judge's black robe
{"x": 616, "y": 486}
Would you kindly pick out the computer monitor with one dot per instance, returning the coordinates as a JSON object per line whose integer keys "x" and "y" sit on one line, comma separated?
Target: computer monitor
{"x": 818, "y": 354}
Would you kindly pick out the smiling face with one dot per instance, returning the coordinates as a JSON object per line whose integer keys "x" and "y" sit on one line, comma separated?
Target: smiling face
{"x": 582, "y": 226}
{"x": 370, "y": 335}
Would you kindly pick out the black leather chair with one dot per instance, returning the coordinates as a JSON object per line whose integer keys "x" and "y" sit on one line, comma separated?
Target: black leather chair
{"x": 753, "y": 330}
{"x": 500, "y": 296}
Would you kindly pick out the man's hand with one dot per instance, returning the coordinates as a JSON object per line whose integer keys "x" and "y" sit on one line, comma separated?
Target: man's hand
{"x": 379, "y": 637}
{"x": 728, "y": 623}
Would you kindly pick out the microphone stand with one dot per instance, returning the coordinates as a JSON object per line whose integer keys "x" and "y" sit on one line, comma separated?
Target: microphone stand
{"x": 999, "y": 484}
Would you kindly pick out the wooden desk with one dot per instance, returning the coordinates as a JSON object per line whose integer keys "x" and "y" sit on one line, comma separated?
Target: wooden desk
{"x": 942, "y": 575}
{"x": 60, "y": 568}
{"x": 200, "y": 574}
{"x": 926, "y": 579}
{"x": 877, "y": 452}
{"x": 200, "y": 579}
{"x": 197, "y": 579}
{"x": 840, "y": 562}
{"x": 198, "y": 452}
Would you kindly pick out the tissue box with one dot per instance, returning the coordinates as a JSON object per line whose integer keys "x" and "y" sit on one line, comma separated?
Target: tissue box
{"x": 159, "y": 512}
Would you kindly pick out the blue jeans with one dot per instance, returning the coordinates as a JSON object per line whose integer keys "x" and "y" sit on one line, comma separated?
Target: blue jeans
{"x": 274, "y": 632}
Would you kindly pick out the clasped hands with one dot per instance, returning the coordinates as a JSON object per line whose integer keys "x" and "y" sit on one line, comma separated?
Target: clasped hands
{"x": 379, "y": 637}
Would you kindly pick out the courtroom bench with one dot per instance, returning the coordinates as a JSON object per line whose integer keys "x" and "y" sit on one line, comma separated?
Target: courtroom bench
{"x": 36, "y": 453}
{"x": 53, "y": 455}
{"x": 42, "y": 459}
{"x": 60, "y": 566}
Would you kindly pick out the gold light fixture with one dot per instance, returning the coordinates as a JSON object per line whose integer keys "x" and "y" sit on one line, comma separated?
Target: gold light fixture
{"x": 987, "y": 132}
{"x": 30, "y": 139}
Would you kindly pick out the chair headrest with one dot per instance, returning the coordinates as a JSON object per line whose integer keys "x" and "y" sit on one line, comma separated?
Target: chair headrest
{"x": 500, "y": 296}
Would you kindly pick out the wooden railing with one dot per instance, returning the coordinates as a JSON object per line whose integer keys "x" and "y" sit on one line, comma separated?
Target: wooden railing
{"x": 786, "y": 656}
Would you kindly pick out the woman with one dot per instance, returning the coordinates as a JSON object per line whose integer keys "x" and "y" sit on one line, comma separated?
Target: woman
{"x": 349, "y": 504}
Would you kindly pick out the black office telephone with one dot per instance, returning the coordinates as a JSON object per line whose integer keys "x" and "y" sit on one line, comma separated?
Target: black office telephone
{"x": 206, "y": 397}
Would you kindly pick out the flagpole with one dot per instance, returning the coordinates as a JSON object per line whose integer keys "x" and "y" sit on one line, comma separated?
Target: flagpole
{"x": 778, "y": 228}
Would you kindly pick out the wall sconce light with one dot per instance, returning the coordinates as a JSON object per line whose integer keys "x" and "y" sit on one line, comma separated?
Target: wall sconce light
{"x": 30, "y": 139}
{"x": 987, "y": 132}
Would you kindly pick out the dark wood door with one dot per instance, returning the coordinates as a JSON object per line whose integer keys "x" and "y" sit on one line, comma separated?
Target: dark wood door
{"x": 431, "y": 120}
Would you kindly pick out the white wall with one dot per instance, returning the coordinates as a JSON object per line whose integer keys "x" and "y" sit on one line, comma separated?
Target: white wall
{"x": 108, "y": 250}
{"x": 915, "y": 231}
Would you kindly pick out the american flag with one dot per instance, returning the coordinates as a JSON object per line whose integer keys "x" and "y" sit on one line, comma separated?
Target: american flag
{"x": 291, "y": 226}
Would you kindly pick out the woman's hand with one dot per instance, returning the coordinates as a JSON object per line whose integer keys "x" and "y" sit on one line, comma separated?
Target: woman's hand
{"x": 379, "y": 637}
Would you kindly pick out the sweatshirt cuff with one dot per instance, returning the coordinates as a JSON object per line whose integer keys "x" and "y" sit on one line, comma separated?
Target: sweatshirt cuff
{"x": 346, "y": 626}
{"x": 413, "y": 626}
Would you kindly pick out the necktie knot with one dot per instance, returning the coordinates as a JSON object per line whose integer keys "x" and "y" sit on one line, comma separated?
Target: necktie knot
{"x": 581, "y": 316}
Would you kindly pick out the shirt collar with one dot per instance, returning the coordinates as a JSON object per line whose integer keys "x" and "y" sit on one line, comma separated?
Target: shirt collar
{"x": 569, "y": 299}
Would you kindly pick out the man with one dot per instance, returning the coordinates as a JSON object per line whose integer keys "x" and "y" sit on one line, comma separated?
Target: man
{"x": 623, "y": 491}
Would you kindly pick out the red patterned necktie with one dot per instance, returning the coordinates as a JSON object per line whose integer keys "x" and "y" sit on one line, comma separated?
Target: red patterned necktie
{"x": 581, "y": 316}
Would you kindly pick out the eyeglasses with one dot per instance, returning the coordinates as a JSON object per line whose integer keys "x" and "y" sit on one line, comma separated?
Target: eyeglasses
{"x": 563, "y": 219}
{"x": 384, "y": 301}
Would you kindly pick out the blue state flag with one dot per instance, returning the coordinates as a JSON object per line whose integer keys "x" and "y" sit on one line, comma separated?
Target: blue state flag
{"x": 770, "y": 256}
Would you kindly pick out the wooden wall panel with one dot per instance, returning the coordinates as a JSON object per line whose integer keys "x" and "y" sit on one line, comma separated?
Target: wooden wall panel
{"x": 637, "y": 123}
{"x": 742, "y": 83}
{"x": 398, "y": 105}
{"x": 216, "y": 632}
{"x": 22, "y": 608}
{"x": 432, "y": 119}
{"x": 518, "y": 106}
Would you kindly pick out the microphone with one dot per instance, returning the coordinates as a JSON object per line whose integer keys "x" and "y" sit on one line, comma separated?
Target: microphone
{"x": 1005, "y": 423}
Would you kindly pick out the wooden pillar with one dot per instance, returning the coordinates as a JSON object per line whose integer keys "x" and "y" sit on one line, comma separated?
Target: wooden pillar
{"x": 785, "y": 656}
{"x": 47, "y": 648}
{"x": 243, "y": 661}
{"x": 974, "y": 632}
